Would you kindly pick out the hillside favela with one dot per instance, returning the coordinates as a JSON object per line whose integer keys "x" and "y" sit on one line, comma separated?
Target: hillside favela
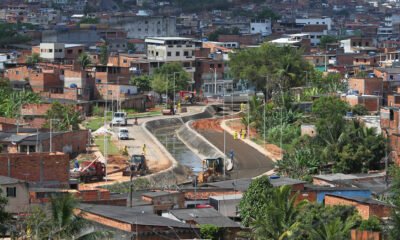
{"x": 200, "y": 119}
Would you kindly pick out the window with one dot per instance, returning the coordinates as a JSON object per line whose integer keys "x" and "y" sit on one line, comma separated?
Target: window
{"x": 317, "y": 22}
{"x": 146, "y": 22}
{"x": 219, "y": 65}
{"x": 80, "y": 51}
{"x": 366, "y": 44}
{"x": 69, "y": 51}
{"x": 169, "y": 54}
{"x": 11, "y": 192}
{"x": 50, "y": 50}
{"x": 211, "y": 65}
{"x": 117, "y": 45}
{"x": 156, "y": 53}
{"x": 323, "y": 22}
{"x": 177, "y": 54}
{"x": 252, "y": 29}
{"x": 185, "y": 53}
{"x": 125, "y": 61}
{"x": 139, "y": 29}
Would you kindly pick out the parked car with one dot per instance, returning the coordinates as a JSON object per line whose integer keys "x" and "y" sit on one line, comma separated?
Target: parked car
{"x": 123, "y": 134}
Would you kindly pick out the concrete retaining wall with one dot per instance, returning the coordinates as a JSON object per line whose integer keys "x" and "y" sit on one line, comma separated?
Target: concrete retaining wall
{"x": 197, "y": 143}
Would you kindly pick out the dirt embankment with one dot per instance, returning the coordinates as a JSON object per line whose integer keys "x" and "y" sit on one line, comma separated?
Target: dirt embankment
{"x": 208, "y": 124}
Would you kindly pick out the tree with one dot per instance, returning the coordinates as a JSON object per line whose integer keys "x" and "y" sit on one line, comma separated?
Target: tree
{"x": 359, "y": 110}
{"x": 143, "y": 82}
{"x": 67, "y": 117}
{"x": 33, "y": 59}
{"x": 209, "y": 231}
{"x": 315, "y": 216}
{"x": 12, "y": 101}
{"x": 60, "y": 222}
{"x": 278, "y": 219}
{"x": 163, "y": 79}
{"x": 371, "y": 224}
{"x": 89, "y": 20}
{"x": 269, "y": 67}
{"x": 333, "y": 230}
{"x": 84, "y": 60}
{"x": 131, "y": 47}
{"x": 326, "y": 40}
{"x": 5, "y": 83}
{"x": 267, "y": 13}
{"x": 103, "y": 54}
{"x": 9, "y": 34}
{"x": 251, "y": 204}
{"x": 4, "y": 216}
{"x": 300, "y": 163}
{"x": 330, "y": 112}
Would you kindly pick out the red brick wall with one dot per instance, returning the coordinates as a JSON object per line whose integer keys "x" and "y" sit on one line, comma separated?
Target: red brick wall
{"x": 36, "y": 167}
{"x": 362, "y": 209}
{"x": 365, "y": 235}
{"x": 366, "y": 86}
{"x": 77, "y": 140}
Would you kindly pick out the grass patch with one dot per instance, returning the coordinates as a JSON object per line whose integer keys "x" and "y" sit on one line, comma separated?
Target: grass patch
{"x": 95, "y": 123}
{"x": 145, "y": 114}
{"x": 112, "y": 148}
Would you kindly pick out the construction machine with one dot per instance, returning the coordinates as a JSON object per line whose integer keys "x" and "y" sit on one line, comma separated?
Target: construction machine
{"x": 89, "y": 171}
{"x": 212, "y": 170}
{"x": 137, "y": 166}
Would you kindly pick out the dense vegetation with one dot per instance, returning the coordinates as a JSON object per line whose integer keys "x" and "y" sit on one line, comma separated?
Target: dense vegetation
{"x": 9, "y": 33}
{"x": 11, "y": 101}
{"x": 339, "y": 146}
{"x": 271, "y": 213}
{"x": 56, "y": 221}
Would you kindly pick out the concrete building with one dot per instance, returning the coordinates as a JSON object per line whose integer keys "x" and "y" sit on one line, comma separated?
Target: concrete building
{"x": 315, "y": 21}
{"x": 262, "y": 27}
{"x": 16, "y": 192}
{"x": 162, "y": 50}
{"x": 144, "y": 26}
{"x": 52, "y": 51}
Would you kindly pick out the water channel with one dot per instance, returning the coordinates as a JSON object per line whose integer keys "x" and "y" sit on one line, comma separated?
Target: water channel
{"x": 167, "y": 137}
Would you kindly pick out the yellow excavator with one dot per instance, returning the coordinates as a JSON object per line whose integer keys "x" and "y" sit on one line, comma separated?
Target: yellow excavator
{"x": 212, "y": 170}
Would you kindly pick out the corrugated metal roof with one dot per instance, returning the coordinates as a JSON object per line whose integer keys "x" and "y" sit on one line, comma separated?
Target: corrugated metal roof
{"x": 204, "y": 216}
{"x": 131, "y": 215}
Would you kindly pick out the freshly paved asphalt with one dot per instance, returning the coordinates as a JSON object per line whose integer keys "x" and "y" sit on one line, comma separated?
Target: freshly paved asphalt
{"x": 248, "y": 162}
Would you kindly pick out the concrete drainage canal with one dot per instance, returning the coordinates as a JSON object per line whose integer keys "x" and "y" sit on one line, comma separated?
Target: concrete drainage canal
{"x": 173, "y": 133}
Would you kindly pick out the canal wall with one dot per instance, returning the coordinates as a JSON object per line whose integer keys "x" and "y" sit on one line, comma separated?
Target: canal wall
{"x": 197, "y": 143}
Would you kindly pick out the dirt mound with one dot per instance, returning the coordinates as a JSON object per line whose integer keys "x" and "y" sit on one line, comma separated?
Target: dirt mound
{"x": 117, "y": 159}
{"x": 208, "y": 124}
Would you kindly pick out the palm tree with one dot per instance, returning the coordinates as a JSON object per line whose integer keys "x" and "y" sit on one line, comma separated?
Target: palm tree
{"x": 84, "y": 60}
{"x": 62, "y": 222}
{"x": 279, "y": 218}
{"x": 335, "y": 229}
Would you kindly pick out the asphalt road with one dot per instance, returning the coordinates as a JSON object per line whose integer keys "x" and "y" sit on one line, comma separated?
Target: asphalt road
{"x": 248, "y": 162}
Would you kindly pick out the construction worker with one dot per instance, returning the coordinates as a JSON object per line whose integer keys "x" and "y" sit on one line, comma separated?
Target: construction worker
{"x": 144, "y": 149}
{"x": 179, "y": 106}
{"x": 242, "y": 107}
{"x": 243, "y": 133}
{"x": 235, "y": 135}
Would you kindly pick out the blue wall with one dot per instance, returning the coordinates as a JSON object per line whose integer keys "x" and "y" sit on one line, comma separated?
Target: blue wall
{"x": 345, "y": 193}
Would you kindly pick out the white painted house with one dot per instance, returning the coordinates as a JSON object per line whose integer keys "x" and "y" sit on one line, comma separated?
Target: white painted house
{"x": 264, "y": 27}
{"x": 315, "y": 21}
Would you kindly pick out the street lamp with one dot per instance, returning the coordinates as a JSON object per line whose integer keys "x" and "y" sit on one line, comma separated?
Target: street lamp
{"x": 215, "y": 79}
{"x": 51, "y": 132}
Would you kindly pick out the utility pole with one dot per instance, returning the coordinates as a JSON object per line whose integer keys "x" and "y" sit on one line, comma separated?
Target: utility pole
{"x": 105, "y": 129}
{"x": 51, "y": 133}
